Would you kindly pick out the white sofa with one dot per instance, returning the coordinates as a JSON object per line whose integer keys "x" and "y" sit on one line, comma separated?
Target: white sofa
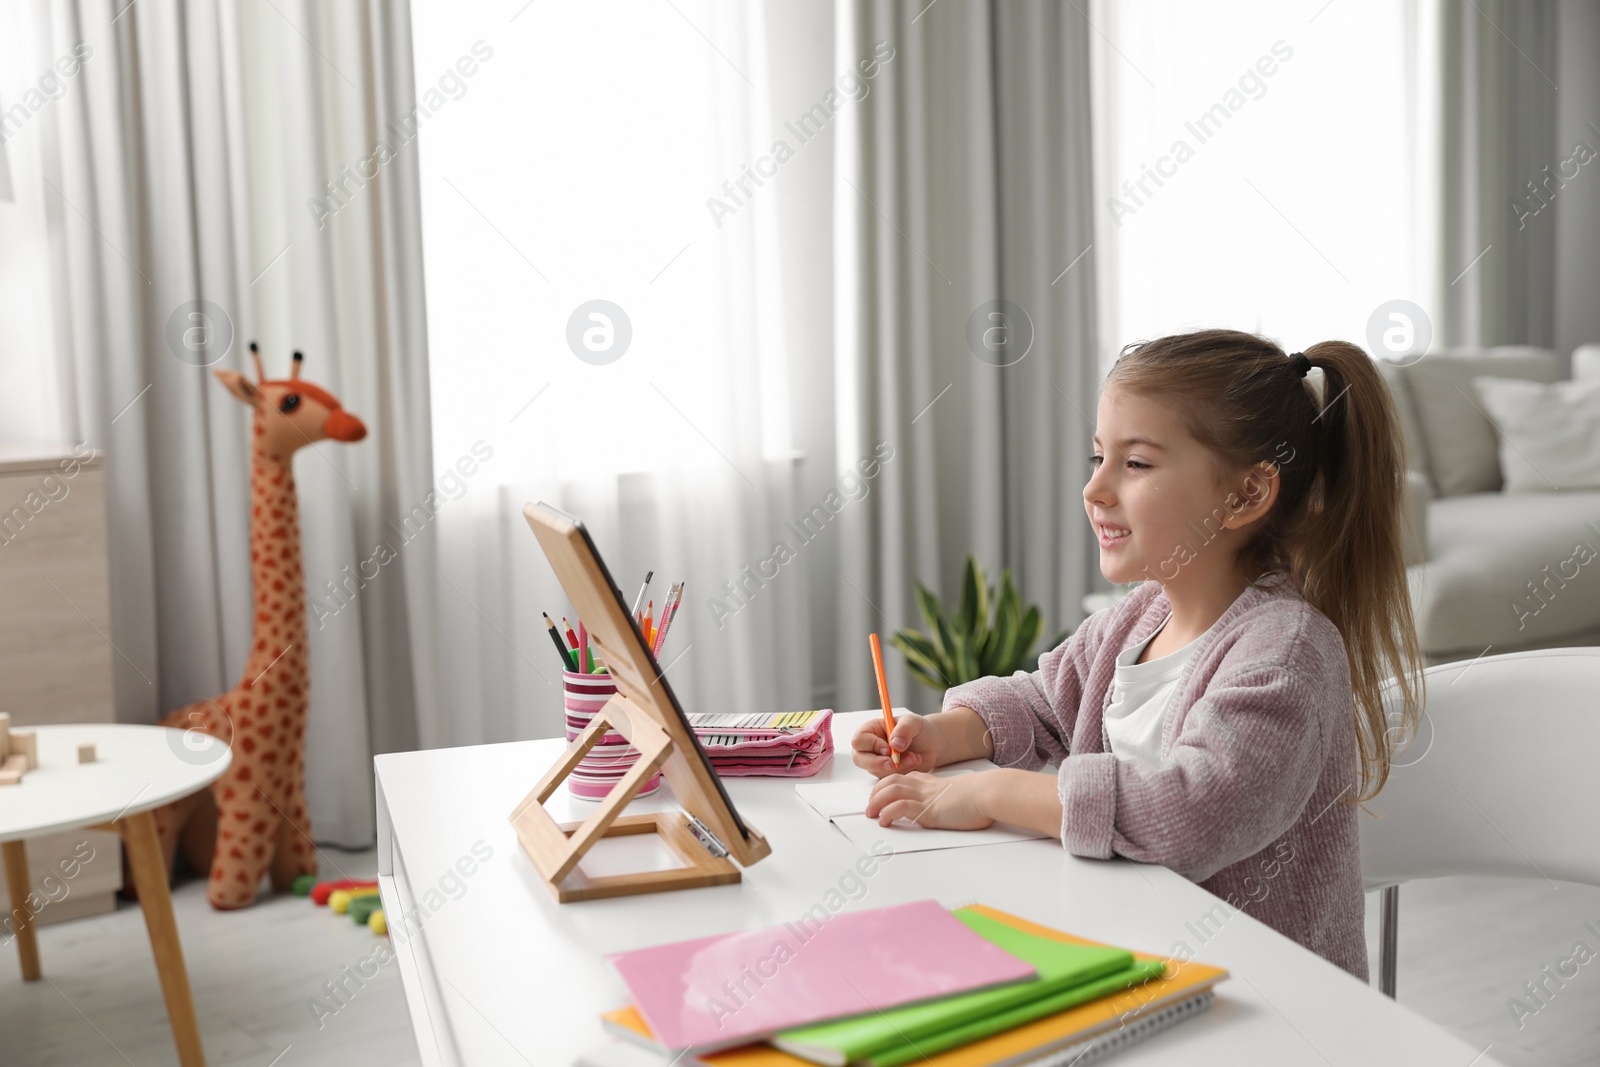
{"x": 1490, "y": 568}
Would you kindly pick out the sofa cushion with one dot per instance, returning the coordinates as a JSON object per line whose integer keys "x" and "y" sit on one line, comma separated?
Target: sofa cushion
{"x": 1549, "y": 434}
{"x": 1394, "y": 376}
{"x": 1463, "y": 451}
{"x": 1414, "y": 532}
{"x": 1586, "y": 361}
{"x": 1508, "y": 571}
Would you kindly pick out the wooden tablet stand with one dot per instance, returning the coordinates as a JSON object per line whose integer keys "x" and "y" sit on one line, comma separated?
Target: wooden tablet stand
{"x": 557, "y": 848}
{"x": 647, "y": 714}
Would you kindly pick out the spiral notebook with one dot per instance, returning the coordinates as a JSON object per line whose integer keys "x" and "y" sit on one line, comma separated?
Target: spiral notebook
{"x": 1082, "y": 1054}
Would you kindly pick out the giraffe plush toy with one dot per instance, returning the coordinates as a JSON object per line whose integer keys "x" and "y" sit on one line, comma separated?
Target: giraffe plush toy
{"x": 253, "y": 819}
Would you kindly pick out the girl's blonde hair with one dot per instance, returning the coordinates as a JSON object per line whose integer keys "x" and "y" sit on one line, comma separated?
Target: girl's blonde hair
{"x": 1335, "y": 528}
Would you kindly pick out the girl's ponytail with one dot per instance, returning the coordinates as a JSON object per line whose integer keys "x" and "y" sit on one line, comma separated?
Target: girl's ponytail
{"x": 1347, "y": 555}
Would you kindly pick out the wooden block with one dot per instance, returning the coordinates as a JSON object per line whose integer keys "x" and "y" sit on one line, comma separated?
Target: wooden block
{"x": 86, "y": 752}
{"x": 12, "y": 769}
{"x": 5, "y": 735}
{"x": 26, "y": 742}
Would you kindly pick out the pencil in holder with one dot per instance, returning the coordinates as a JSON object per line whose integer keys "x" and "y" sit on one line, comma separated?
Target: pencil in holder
{"x": 604, "y": 764}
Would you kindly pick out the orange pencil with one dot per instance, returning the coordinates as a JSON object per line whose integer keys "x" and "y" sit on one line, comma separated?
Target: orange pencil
{"x": 645, "y": 624}
{"x": 883, "y": 694}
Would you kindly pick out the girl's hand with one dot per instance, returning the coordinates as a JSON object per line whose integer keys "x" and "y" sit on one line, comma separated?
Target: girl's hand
{"x": 938, "y": 803}
{"x": 915, "y": 738}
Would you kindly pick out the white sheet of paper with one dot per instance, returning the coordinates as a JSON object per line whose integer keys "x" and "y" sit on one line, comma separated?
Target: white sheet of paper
{"x": 903, "y": 835}
{"x": 845, "y": 804}
{"x": 836, "y": 798}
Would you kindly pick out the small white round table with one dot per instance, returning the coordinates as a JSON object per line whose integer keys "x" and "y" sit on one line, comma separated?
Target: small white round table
{"x": 136, "y": 770}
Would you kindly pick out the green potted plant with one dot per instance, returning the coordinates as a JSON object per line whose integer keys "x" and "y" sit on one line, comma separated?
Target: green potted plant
{"x": 986, "y": 635}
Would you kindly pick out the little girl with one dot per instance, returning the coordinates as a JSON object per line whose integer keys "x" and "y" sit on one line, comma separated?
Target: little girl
{"x": 1224, "y": 717}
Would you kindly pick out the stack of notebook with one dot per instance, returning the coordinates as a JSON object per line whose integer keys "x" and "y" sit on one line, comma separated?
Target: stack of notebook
{"x": 909, "y": 984}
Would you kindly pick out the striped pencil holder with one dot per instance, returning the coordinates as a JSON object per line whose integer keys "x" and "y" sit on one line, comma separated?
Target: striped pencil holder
{"x": 604, "y": 764}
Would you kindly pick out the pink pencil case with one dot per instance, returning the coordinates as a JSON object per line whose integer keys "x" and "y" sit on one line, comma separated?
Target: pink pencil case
{"x": 790, "y": 753}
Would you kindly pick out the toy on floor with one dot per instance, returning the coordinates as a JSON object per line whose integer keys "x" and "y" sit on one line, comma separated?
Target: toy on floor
{"x": 86, "y": 752}
{"x": 354, "y": 896}
{"x": 361, "y": 910}
{"x": 320, "y": 892}
{"x": 253, "y": 820}
{"x": 339, "y": 903}
{"x": 19, "y": 751}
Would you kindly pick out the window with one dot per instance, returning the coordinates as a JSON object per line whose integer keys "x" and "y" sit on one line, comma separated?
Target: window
{"x": 574, "y": 165}
{"x": 1257, "y": 168}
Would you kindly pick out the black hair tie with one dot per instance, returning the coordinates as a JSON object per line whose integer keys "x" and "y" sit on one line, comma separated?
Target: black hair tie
{"x": 1299, "y": 364}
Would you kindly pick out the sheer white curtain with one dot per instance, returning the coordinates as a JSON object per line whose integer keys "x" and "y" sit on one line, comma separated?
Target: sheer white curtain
{"x": 964, "y": 213}
{"x": 578, "y": 153}
{"x": 1504, "y": 161}
{"x": 1264, "y": 166}
{"x": 177, "y": 164}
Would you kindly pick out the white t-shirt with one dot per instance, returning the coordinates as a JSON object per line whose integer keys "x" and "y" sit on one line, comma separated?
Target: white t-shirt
{"x": 1140, "y": 693}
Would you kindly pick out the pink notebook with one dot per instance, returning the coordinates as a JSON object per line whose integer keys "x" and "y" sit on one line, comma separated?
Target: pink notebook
{"x": 731, "y": 989}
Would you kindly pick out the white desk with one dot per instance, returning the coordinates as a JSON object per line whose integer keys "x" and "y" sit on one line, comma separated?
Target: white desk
{"x": 502, "y": 974}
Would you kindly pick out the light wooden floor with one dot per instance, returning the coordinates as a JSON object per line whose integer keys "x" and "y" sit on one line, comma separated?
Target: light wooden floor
{"x": 254, "y": 973}
{"x": 1466, "y": 946}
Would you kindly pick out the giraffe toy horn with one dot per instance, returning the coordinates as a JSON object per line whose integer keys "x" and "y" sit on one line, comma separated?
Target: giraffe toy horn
{"x": 294, "y": 369}
{"x": 255, "y": 355}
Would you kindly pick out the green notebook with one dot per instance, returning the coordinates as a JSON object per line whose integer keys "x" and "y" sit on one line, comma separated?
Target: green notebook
{"x": 1069, "y": 974}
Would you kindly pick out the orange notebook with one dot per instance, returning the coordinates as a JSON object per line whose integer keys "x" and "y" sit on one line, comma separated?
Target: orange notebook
{"x": 1181, "y": 982}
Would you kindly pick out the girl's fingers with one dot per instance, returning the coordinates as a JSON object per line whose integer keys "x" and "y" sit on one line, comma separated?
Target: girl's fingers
{"x": 878, "y": 764}
{"x": 886, "y": 790}
{"x": 900, "y": 809}
{"x": 870, "y": 739}
{"x": 905, "y": 732}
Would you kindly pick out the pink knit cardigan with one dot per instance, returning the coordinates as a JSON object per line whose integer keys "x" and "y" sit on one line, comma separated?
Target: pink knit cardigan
{"x": 1258, "y": 758}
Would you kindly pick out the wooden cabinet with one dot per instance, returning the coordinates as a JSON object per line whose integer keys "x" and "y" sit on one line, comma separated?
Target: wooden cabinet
{"x": 55, "y": 647}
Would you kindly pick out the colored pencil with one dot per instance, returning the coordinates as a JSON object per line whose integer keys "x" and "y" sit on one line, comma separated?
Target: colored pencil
{"x": 572, "y": 638}
{"x": 642, "y": 590}
{"x": 661, "y": 623}
{"x": 645, "y": 625}
{"x": 567, "y": 660}
{"x": 668, "y": 612}
{"x": 883, "y": 694}
{"x": 583, "y": 649}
